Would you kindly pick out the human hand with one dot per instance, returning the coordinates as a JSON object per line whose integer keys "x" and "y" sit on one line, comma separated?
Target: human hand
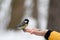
{"x": 36, "y": 31}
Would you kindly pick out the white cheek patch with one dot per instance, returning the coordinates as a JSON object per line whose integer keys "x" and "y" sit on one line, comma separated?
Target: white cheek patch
{"x": 25, "y": 21}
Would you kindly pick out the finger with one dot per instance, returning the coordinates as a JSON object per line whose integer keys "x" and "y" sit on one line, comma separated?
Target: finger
{"x": 28, "y": 30}
{"x": 36, "y": 29}
{"x": 39, "y": 33}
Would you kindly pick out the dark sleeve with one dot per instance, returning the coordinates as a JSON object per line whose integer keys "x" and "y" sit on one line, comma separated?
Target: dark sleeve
{"x": 47, "y": 34}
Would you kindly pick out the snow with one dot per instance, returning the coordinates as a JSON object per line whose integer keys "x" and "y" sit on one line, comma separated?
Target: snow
{"x": 19, "y": 35}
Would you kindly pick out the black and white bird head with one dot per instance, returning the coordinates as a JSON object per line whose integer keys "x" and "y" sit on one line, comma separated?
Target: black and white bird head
{"x": 26, "y": 21}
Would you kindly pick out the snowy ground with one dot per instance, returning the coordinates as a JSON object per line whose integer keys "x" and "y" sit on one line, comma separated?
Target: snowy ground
{"x": 19, "y": 35}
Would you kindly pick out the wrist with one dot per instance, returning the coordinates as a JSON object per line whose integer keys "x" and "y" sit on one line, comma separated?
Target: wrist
{"x": 47, "y": 34}
{"x": 44, "y": 32}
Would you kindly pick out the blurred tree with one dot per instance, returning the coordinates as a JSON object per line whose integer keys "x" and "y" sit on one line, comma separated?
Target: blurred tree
{"x": 54, "y": 15}
{"x": 17, "y": 12}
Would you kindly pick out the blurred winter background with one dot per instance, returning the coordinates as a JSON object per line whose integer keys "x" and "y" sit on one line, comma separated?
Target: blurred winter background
{"x": 42, "y": 14}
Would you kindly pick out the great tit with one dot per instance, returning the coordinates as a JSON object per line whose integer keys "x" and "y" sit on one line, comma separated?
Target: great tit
{"x": 23, "y": 25}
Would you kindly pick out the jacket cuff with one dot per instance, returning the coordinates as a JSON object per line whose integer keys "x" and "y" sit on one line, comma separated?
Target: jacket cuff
{"x": 47, "y": 34}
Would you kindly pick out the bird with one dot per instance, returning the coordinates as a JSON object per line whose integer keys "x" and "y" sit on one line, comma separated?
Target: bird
{"x": 23, "y": 24}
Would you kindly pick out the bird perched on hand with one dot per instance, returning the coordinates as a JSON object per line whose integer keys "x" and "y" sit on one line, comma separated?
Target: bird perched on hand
{"x": 23, "y": 25}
